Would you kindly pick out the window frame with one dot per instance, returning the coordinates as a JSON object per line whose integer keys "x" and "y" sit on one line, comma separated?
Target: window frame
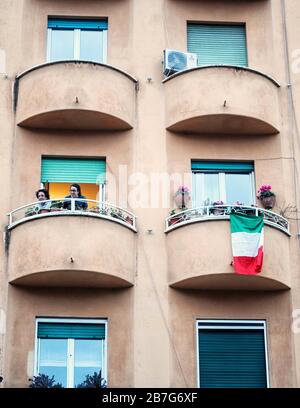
{"x": 232, "y": 324}
{"x": 222, "y": 184}
{"x": 70, "y": 345}
{"x": 76, "y": 40}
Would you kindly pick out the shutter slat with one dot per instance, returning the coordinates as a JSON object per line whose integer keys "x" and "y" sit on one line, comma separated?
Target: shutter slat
{"x": 232, "y": 358}
{"x": 73, "y": 171}
{"x": 218, "y": 44}
{"x": 71, "y": 331}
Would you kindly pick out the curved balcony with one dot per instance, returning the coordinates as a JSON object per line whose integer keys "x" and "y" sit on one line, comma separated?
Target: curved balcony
{"x": 222, "y": 100}
{"x": 73, "y": 247}
{"x": 75, "y": 95}
{"x": 200, "y": 254}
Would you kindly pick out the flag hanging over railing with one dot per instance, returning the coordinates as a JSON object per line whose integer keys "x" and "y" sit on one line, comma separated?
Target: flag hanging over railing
{"x": 247, "y": 235}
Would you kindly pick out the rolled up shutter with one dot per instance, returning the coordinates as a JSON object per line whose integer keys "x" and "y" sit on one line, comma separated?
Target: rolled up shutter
{"x": 71, "y": 331}
{"x": 227, "y": 167}
{"x": 61, "y": 170}
{"x": 59, "y": 23}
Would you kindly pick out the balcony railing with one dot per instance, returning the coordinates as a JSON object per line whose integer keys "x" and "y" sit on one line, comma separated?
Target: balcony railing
{"x": 222, "y": 212}
{"x": 71, "y": 206}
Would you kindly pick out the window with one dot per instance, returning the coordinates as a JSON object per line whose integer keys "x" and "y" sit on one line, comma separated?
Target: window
{"x": 77, "y": 39}
{"x": 222, "y": 181}
{"x": 218, "y": 43}
{"x": 58, "y": 173}
{"x": 70, "y": 349}
{"x": 232, "y": 354}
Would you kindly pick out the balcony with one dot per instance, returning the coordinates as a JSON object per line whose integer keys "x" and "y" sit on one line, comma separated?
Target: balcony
{"x": 222, "y": 100}
{"x": 75, "y": 95}
{"x": 61, "y": 247}
{"x": 200, "y": 255}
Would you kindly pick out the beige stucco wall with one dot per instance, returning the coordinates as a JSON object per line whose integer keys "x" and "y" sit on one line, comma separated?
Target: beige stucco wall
{"x": 204, "y": 255}
{"x": 188, "y": 306}
{"x": 151, "y": 315}
{"x": 76, "y": 303}
{"x": 52, "y": 96}
{"x": 72, "y": 251}
{"x": 222, "y": 101}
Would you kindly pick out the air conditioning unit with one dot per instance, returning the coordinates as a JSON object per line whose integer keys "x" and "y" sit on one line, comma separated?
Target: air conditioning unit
{"x": 176, "y": 61}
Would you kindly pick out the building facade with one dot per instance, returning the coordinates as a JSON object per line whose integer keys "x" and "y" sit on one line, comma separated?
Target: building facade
{"x": 127, "y": 286}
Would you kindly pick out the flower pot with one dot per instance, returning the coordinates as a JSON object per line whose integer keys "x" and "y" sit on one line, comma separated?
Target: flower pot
{"x": 218, "y": 211}
{"x": 129, "y": 220}
{"x": 175, "y": 220}
{"x": 268, "y": 202}
{"x": 181, "y": 199}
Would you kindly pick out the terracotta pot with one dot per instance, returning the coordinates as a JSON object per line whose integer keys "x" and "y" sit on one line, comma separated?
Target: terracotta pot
{"x": 268, "y": 202}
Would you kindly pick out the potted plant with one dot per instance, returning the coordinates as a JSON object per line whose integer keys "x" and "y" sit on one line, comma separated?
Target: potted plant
{"x": 44, "y": 381}
{"x": 174, "y": 220}
{"x": 93, "y": 381}
{"x": 30, "y": 211}
{"x": 182, "y": 197}
{"x": 218, "y": 210}
{"x": 129, "y": 220}
{"x": 56, "y": 205}
{"x": 94, "y": 209}
{"x": 266, "y": 196}
{"x": 116, "y": 214}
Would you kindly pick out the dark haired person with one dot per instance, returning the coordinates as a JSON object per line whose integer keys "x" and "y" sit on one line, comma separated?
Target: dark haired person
{"x": 75, "y": 192}
{"x": 42, "y": 194}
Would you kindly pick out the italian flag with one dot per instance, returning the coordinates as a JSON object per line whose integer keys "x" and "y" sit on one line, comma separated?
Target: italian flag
{"x": 247, "y": 237}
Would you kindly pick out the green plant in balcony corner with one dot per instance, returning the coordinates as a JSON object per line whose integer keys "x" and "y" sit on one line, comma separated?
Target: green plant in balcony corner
{"x": 44, "y": 381}
{"x": 116, "y": 213}
{"x": 93, "y": 381}
{"x": 30, "y": 211}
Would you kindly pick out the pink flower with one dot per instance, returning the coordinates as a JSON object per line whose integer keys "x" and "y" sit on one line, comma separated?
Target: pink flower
{"x": 183, "y": 189}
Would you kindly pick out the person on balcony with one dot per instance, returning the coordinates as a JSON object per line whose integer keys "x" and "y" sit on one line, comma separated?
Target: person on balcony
{"x": 42, "y": 194}
{"x": 75, "y": 192}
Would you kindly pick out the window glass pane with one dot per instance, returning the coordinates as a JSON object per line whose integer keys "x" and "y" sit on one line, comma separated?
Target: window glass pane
{"x": 88, "y": 359}
{"x": 62, "y": 45}
{"x": 238, "y": 188}
{"x": 211, "y": 191}
{"x": 206, "y": 188}
{"x": 91, "y": 45}
{"x": 53, "y": 359}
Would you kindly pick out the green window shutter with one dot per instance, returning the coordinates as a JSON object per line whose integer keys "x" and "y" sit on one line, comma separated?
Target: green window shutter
{"x": 71, "y": 331}
{"x": 218, "y": 44}
{"x": 228, "y": 167}
{"x": 60, "y": 170}
{"x": 232, "y": 358}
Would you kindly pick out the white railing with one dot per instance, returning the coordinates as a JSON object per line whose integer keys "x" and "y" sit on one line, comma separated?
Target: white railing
{"x": 222, "y": 212}
{"x": 71, "y": 206}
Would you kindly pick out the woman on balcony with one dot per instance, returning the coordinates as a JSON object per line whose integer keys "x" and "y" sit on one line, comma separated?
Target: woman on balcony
{"x": 75, "y": 192}
{"x": 42, "y": 194}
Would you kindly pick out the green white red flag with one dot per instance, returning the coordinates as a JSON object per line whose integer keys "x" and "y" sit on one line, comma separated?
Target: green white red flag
{"x": 247, "y": 236}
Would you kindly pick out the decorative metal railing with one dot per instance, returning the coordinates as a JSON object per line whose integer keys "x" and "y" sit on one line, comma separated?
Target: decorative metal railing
{"x": 71, "y": 206}
{"x": 221, "y": 212}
